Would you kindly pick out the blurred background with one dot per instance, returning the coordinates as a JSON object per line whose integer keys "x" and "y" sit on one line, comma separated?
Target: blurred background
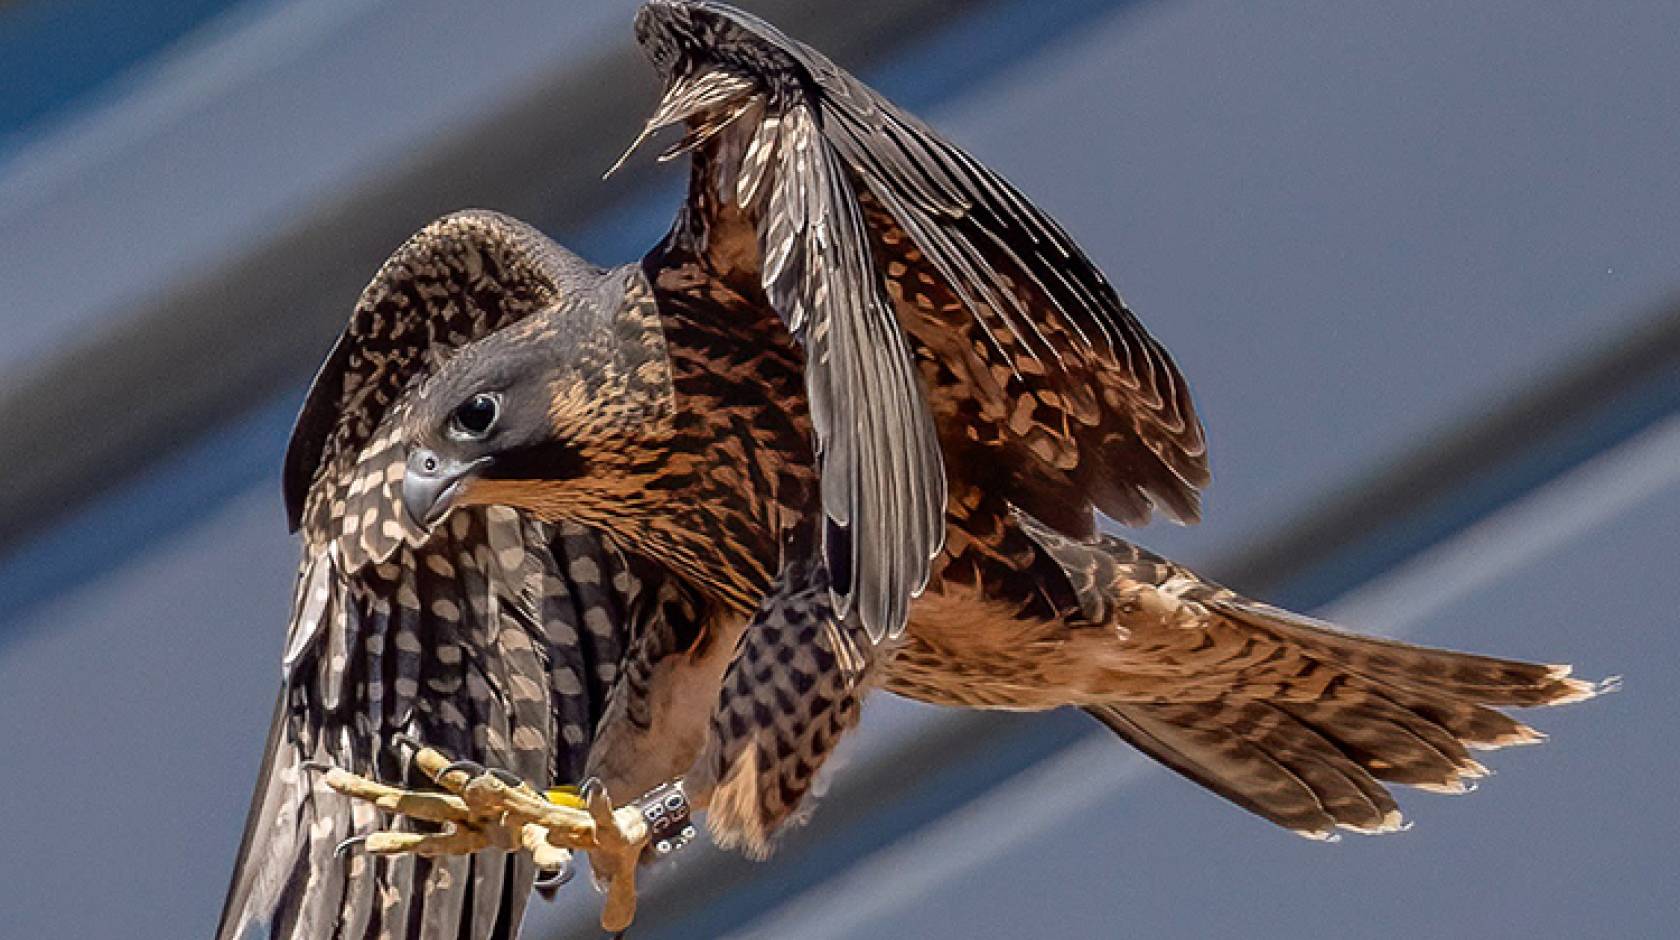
{"x": 1421, "y": 262}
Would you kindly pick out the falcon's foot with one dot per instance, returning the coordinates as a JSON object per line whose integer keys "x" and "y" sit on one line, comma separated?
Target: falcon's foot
{"x": 494, "y": 809}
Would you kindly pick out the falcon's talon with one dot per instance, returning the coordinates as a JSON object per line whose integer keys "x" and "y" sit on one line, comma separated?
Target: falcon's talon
{"x": 621, "y": 837}
{"x": 471, "y": 768}
{"x": 497, "y": 808}
{"x": 351, "y": 844}
{"x": 562, "y": 876}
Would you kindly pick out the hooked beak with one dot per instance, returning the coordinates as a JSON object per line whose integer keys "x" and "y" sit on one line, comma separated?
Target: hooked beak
{"x": 431, "y": 483}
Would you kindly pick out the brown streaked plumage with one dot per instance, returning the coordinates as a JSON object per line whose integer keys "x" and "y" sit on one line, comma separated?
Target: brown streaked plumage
{"x": 858, "y": 411}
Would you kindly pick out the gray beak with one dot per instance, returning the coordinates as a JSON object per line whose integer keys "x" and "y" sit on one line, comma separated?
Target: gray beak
{"x": 430, "y": 484}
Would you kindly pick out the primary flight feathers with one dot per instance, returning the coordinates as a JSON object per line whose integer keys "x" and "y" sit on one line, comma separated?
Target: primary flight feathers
{"x": 857, "y": 205}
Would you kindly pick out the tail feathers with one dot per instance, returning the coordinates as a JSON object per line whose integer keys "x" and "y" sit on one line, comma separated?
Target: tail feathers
{"x": 1307, "y": 733}
{"x": 1482, "y": 679}
{"x": 1391, "y": 743}
{"x": 1261, "y": 759}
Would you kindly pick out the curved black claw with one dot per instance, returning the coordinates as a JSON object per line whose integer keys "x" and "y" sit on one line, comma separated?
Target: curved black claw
{"x": 315, "y": 766}
{"x": 588, "y": 789}
{"x": 561, "y": 877}
{"x": 471, "y": 768}
{"x": 407, "y": 740}
{"x": 348, "y": 845}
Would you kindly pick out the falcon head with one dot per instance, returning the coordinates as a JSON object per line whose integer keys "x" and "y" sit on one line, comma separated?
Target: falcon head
{"x": 548, "y": 415}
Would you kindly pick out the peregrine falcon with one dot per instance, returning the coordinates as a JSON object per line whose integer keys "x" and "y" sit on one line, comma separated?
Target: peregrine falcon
{"x": 850, "y": 425}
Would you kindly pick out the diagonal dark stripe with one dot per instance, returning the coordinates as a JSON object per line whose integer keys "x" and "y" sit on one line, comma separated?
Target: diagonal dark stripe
{"x": 205, "y": 353}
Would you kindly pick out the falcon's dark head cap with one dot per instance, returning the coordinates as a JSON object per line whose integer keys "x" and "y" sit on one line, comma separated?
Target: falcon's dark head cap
{"x": 523, "y": 416}
{"x": 485, "y": 404}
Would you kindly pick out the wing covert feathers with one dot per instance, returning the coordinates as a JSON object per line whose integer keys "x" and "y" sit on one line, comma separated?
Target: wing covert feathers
{"x": 883, "y": 482}
{"x": 939, "y": 309}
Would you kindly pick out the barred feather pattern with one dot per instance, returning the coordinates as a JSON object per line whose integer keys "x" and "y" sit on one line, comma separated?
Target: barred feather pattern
{"x": 495, "y": 641}
{"x": 491, "y": 636}
{"x": 1288, "y": 717}
{"x": 925, "y": 289}
{"x": 883, "y": 482}
{"x": 794, "y": 688}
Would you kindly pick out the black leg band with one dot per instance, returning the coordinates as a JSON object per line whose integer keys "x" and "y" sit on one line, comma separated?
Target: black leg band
{"x": 668, "y": 816}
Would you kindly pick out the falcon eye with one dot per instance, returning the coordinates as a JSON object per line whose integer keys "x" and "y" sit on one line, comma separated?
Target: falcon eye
{"x": 475, "y": 417}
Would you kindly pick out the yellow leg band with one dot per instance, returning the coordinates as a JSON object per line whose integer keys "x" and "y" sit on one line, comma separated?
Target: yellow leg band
{"x": 564, "y": 796}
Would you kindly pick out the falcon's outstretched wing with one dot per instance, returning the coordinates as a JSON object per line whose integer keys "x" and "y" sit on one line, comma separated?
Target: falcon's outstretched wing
{"x": 493, "y": 638}
{"x": 916, "y": 278}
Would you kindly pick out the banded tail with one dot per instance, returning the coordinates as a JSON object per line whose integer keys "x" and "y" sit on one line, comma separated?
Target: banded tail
{"x": 1318, "y": 720}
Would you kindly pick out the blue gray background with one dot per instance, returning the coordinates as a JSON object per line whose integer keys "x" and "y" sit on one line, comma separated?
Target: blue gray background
{"x": 1421, "y": 262}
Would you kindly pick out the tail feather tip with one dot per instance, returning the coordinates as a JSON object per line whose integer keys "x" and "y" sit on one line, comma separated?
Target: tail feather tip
{"x": 1520, "y": 736}
{"x": 1393, "y": 821}
{"x": 1456, "y": 786}
{"x": 1579, "y": 690}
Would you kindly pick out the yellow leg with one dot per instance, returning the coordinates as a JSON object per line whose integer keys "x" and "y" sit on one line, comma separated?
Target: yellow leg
{"x": 481, "y": 810}
{"x": 456, "y": 840}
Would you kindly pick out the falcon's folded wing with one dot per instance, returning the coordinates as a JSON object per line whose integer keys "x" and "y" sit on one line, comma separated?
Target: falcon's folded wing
{"x": 941, "y": 312}
{"x": 492, "y": 638}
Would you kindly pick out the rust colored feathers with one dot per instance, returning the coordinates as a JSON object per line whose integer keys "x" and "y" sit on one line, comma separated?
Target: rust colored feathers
{"x": 915, "y": 277}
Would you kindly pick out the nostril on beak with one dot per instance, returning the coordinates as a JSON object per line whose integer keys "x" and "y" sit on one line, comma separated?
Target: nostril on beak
{"x": 424, "y": 487}
{"x": 430, "y": 484}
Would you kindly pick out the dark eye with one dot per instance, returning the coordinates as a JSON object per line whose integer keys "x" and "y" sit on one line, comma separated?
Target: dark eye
{"x": 476, "y": 416}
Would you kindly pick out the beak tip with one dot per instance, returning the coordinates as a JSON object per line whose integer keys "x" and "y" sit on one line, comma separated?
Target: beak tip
{"x": 430, "y": 486}
{"x": 425, "y": 488}
{"x": 418, "y": 507}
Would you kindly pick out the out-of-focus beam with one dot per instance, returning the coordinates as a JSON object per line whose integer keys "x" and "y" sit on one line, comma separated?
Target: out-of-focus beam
{"x": 214, "y": 344}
